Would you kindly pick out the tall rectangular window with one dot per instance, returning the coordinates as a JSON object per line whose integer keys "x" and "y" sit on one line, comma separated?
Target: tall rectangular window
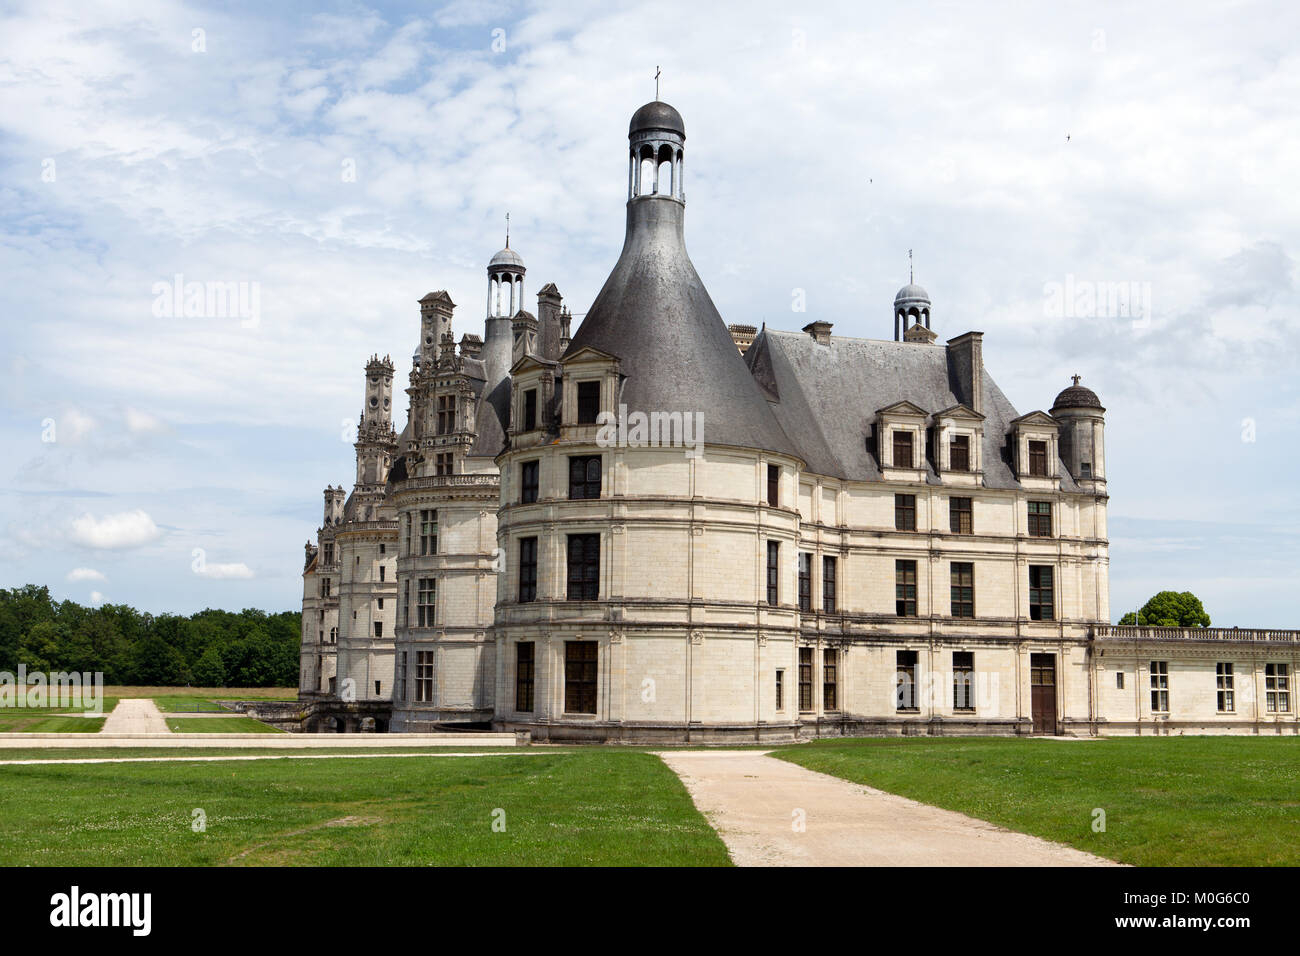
{"x": 443, "y": 463}
{"x": 424, "y": 676}
{"x": 805, "y": 581}
{"x": 1160, "y": 687}
{"x": 379, "y": 629}
{"x": 429, "y": 532}
{"x": 774, "y": 485}
{"x": 1224, "y": 689}
{"x": 1038, "y": 459}
{"x": 963, "y": 589}
{"x": 963, "y": 680}
{"x": 584, "y": 477}
{"x": 904, "y": 512}
{"x": 780, "y": 689}
{"x": 524, "y": 676}
{"x": 960, "y": 518}
{"x": 446, "y": 414}
{"x": 1040, "y": 519}
{"x": 773, "y": 572}
{"x": 905, "y": 681}
{"x": 588, "y": 402}
{"x": 580, "y": 660}
{"x": 527, "y": 570}
{"x": 426, "y": 597}
{"x": 1042, "y": 604}
{"x": 1277, "y": 688}
{"x": 528, "y": 481}
{"x": 399, "y": 685}
{"x": 959, "y": 453}
{"x": 329, "y": 554}
{"x": 805, "y": 679}
{"x": 905, "y": 588}
{"x": 530, "y": 413}
{"x": 830, "y": 679}
{"x": 584, "y": 567}
{"x": 829, "y": 592}
{"x": 902, "y": 448}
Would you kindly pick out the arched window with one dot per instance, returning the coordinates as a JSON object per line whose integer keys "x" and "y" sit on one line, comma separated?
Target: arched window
{"x": 664, "y": 184}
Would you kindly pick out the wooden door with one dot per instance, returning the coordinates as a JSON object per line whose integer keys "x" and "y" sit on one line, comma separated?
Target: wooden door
{"x": 1042, "y": 691}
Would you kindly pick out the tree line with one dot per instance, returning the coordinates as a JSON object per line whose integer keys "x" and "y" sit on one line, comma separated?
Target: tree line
{"x": 208, "y": 649}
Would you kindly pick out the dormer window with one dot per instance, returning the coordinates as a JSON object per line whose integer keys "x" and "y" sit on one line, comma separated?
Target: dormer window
{"x": 959, "y": 453}
{"x": 588, "y": 402}
{"x": 902, "y": 448}
{"x": 1038, "y": 459}
{"x": 530, "y": 409}
{"x": 446, "y": 414}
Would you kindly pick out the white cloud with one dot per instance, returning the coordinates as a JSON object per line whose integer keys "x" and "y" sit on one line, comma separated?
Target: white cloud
{"x": 128, "y": 529}
{"x": 143, "y": 423}
{"x": 223, "y": 572}
{"x": 96, "y": 598}
{"x": 86, "y": 574}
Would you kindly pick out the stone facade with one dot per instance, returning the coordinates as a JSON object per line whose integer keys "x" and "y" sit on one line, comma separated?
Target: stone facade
{"x": 659, "y": 529}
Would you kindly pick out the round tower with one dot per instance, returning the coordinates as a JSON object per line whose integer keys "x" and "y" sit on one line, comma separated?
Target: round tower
{"x": 1083, "y": 432}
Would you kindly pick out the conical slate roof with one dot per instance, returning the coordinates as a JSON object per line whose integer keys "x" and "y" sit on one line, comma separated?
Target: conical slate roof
{"x": 677, "y": 355}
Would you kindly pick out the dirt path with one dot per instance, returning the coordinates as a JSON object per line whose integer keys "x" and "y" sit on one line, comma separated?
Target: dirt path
{"x": 756, "y": 802}
{"x": 135, "y": 715}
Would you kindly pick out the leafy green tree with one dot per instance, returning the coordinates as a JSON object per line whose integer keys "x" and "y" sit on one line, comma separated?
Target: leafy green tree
{"x": 209, "y": 671}
{"x": 1170, "y": 609}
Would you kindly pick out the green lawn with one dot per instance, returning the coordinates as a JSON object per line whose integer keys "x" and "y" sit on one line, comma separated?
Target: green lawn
{"x": 20, "y": 722}
{"x": 234, "y": 724}
{"x": 1183, "y": 801}
{"x": 60, "y": 705}
{"x": 187, "y": 703}
{"x": 601, "y": 807}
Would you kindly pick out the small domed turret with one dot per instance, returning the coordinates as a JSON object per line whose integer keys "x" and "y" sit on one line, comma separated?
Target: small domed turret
{"x": 911, "y": 307}
{"x": 1083, "y": 433}
{"x": 657, "y": 137}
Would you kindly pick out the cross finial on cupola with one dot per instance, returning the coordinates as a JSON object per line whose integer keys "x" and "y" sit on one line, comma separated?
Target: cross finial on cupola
{"x": 507, "y": 230}
{"x": 911, "y": 276}
{"x": 656, "y": 82}
{"x": 1076, "y": 378}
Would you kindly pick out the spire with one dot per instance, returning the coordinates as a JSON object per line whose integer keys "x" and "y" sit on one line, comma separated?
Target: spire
{"x": 655, "y": 315}
{"x": 656, "y": 83}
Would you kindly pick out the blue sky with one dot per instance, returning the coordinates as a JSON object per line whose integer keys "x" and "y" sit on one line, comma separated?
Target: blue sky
{"x": 1011, "y": 147}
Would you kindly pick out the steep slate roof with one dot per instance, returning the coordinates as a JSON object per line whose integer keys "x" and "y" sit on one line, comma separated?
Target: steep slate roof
{"x": 828, "y": 395}
{"x": 676, "y": 353}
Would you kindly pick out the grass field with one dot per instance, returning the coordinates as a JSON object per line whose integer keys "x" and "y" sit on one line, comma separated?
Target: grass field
{"x": 233, "y": 724}
{"x": 1188, "y": 801}
{"x": 29, "y": 722}
{"x": 600, "y": 807}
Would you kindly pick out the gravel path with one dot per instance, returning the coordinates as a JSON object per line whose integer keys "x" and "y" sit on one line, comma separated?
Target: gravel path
{"x": 135, "y": 715}
{"x": 757, "y": 804}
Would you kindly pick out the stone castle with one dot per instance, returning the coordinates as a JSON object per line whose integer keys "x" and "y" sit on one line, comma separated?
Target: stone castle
{"x": 658, "y": 528}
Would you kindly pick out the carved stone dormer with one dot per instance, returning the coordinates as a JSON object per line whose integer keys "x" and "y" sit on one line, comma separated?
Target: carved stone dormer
{"x": 900, "y": 441}
{"x": 1035, "y": 450}
{"x": 957, "y": 439}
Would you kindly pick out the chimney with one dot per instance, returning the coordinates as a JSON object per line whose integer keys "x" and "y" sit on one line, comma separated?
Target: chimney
{"x": 966, "y": 368}
{"x": 743, "y": 336}
{"x": 820, "y": 331}
{"x": 549, "y": 334}
{"x": 524, "y": 328}
{"x": 565, "y": 318}
{"x": 471, "y": 346}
